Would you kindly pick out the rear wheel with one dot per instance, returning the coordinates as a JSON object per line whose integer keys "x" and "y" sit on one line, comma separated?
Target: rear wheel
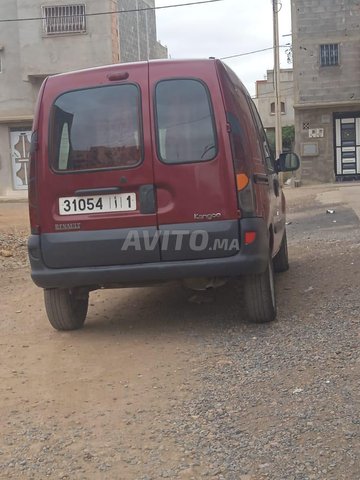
{"x": 260, "y": 295}
{"x": 281, "y": 259}
{"x": 66, "y": 308}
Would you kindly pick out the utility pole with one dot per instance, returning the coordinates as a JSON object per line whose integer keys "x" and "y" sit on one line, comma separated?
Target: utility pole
{"x": 278, "y": 129}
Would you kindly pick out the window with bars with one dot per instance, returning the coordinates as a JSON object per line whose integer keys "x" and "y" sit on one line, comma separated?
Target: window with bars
{"x": 329, "y": 55}
{"x": 61, "y": 19}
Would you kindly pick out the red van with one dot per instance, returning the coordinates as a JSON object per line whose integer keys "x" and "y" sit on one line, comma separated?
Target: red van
{"x": 148, "y": 172}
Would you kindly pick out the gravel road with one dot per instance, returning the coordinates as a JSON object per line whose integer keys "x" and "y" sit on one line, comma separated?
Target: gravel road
{"x": 159, "y": 387}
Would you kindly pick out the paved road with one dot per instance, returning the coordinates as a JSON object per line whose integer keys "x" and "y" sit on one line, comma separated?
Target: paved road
{"x": 158, "y": 387}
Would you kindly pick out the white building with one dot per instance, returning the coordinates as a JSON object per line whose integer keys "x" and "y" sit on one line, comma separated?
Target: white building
{"x": 264, "y": 98}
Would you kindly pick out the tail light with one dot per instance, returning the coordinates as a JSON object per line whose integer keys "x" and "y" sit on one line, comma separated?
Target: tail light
{"x": 33, "y": 193}
{"x": 246, "y": 196}
{"x": 244, "y": 186}
{"x": 249, "y": 237}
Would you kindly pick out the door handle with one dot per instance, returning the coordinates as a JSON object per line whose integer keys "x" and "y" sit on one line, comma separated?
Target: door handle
{"x": 97, "y": 191}
{"x": 261, "y": 179}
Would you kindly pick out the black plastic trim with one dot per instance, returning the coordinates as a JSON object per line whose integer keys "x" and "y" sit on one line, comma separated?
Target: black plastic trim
{"x": 251, "y": 259}
{"x": 147, "y": 199}
{"x": 220, "y": 237}
{"x": 89, "y": 249}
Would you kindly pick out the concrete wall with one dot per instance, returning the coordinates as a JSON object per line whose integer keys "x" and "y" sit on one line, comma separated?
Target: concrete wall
{"x": 16, "y": 96}
{"x": 320, "y": 92}
{"x": 265, "y": 97}
{"x": 50, "y": 54}
{"x": 319, "y": 22}
{"x": 5, "y": 164}
{"x": 320, "y": 167}
{"x": 158, "y": 51}
{"x": 137, "y": 32}
{"x": 28, "y": 55}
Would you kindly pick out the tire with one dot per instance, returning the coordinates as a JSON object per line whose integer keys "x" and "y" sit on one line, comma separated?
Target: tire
{"x": 260, "y": 295}
{"x": 281, "y": 259}
{"x": 66, "y": 308}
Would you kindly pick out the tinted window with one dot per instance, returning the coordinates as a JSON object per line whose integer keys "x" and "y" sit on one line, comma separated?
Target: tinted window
{"x": 268, "y": 156}
{"x": 237, "y": 106}
{"x": 96, "y": 128}
{"x": 185, "y": 129}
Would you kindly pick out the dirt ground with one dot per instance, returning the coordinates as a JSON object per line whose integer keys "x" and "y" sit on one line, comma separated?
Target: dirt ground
{"x": 158, "y": 387}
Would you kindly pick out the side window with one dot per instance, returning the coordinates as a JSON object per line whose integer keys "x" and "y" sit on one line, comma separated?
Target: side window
{"x": 268, "y": 155}
{"x": 184, "y": 121}
{"x": 236, "y": 140}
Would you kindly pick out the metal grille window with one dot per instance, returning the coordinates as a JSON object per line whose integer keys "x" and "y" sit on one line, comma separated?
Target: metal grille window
{"x": 329, "y": 55}
{"x": 64, "y": 19}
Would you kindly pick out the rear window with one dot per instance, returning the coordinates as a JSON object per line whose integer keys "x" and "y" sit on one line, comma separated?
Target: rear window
{"x": 185, "y": 122}
{"x": 96, "y": 128}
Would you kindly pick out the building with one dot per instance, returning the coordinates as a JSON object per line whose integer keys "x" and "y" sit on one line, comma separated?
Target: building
{"x": 326, "y": 55}
{"x": 138, "y": 38}
{"x": 67, "y": 38}
{"x": 265, "y": 102}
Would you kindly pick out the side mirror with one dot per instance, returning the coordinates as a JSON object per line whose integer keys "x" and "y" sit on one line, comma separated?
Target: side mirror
{"x": 288, "y": 162}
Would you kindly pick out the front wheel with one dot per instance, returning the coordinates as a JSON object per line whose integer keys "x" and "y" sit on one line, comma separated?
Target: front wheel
{"x": 260, "y": 295}
{"x": 66, "y": 308}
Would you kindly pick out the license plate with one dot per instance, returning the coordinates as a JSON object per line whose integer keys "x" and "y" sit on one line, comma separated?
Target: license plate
{"x": 122, "y": 202}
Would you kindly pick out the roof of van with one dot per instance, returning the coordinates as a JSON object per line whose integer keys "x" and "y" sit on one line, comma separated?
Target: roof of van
{"x": 115, "y": 66}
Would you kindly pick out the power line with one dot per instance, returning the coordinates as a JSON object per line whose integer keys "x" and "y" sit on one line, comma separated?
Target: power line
{"x": 200, "y": 2}
{"x": 250, "y": 53}
{"x": 271, "y": 95}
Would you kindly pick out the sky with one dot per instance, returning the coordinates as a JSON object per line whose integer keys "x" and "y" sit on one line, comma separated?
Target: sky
{"x": 224, "y": 28}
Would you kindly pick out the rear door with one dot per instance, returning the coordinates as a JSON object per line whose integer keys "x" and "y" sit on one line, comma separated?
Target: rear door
{"x": 193, "y": 171}
{"x": 97, "y": 182}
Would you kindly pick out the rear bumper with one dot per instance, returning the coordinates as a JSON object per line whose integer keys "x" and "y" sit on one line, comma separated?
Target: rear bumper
{"x": 250, "y": 259}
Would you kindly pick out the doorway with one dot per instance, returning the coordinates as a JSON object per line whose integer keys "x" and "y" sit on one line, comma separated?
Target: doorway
{"x": 347, "y": 146}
